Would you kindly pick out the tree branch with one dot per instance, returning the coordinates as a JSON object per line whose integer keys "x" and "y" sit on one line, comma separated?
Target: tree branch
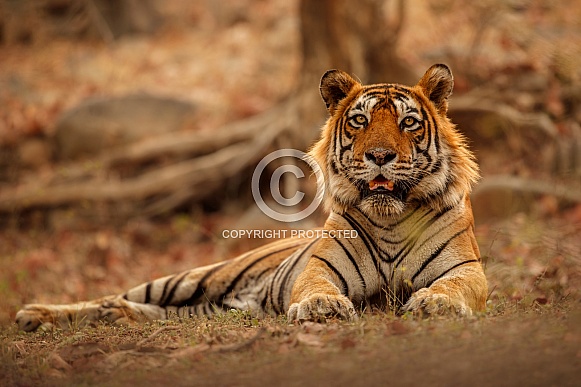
{"x": 184, "y": 180}
{"x": 535, "y": 186}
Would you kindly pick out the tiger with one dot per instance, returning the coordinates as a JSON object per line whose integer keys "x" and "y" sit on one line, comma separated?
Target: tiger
{"x": 398, "y": 175}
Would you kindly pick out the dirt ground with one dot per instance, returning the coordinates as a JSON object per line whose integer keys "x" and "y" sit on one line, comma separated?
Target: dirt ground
{"x": 532, "y": 348}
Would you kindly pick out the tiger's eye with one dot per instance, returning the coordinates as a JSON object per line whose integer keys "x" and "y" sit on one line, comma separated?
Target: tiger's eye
{"x": 360, "y": 119}
{"x": 409, "y": 121}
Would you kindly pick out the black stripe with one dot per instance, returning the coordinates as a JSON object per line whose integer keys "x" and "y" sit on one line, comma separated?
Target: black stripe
{"x": 237, "y": 279}
{"x": 340, "y": 131}
{"x": 425, "y": 140}
{"x": 334, "y": 168}
{"x": 165, "y": 288}
{"x": 377, "y": 92}
{"x": 263, "y": 302}
{"x": 346, "y": 130}
{"x": 334, "y": 270}
{"x": 279, "y": 270}
{"x": 337, "y": 136}
{"x": 412, "y": 243}
{"x": 436, "y": 253}
{"x": 403, "y": 98}
{"x": 434, "y": 126}
{"x": 262, "y": 273}
{"x": 353, "y": 261}
{"x": 167, "y": 295}
{"x": 419, "y": 135}
{"x": 399, "y": 87}
{"x": 201, "y": 288}
{"x": 436, "y": 167}
{"x": 428, "y": 125}
{"x": 367, "y": 240}
{"x": 147, "y": 293}
{"x": 449, "y": 270}
{"x": 345, "y": 147}
{"x": 415, "y": 226}
{"x": 390, "y": 227}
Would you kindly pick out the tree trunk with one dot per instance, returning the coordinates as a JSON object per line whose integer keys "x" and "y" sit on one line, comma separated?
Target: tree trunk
{"x": 351, "y": 36}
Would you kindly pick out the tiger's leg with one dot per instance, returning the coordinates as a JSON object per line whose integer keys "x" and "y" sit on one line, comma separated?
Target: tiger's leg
{"x": 460, "y": 293}
{"x": 316, "y": 296}
{"x": 322, "y": 290}
{"x": 456, "y": 284}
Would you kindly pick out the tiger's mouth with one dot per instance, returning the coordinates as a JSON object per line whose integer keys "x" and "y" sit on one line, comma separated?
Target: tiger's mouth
{"x": 381, "y": 186}
{"x": 380, "y": 183}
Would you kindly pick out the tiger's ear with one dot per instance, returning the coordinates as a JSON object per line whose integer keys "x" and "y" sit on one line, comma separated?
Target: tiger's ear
{"x": 437, "y": 84}
{"x": 335, "y": 86}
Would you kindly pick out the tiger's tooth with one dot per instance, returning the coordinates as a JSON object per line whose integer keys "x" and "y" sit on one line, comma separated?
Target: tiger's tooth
{"x": 390, "y": 185}
{"x": 372, "y": 185}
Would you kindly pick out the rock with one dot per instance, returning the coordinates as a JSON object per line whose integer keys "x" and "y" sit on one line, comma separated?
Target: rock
{"x": 34, "y": 153}
{"x": 97, "y": 125}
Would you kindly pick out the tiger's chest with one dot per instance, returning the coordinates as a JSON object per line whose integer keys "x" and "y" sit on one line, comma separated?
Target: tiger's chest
{"x": 389, "y": 254}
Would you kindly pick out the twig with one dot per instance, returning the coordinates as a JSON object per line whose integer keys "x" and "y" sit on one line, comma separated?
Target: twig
{"x": 156, "y": 333}
{"x": 239, "y": 346}
{"x": 190, "y": 351}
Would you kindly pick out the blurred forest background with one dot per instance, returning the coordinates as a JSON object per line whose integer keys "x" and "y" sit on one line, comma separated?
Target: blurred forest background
{"x": 129, "y": 129}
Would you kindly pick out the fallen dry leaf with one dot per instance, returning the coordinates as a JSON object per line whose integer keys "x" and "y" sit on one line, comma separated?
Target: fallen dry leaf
{"x": 348, "y": 343}
{"x": 397, "y": 328}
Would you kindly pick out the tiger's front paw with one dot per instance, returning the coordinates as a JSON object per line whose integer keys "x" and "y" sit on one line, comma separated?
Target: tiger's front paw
{"x": 427, "y": 303}
{"x": 319, "y": 307}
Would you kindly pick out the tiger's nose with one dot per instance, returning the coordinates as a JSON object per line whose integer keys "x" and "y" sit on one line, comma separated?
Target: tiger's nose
{"x": 380, "y": 156}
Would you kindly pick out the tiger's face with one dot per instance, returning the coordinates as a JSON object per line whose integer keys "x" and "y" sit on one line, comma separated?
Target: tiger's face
{"x": 387, "y": 145}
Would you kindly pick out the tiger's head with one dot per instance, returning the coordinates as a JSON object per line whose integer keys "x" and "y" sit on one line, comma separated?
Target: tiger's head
{"x": 387, "y": 146}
